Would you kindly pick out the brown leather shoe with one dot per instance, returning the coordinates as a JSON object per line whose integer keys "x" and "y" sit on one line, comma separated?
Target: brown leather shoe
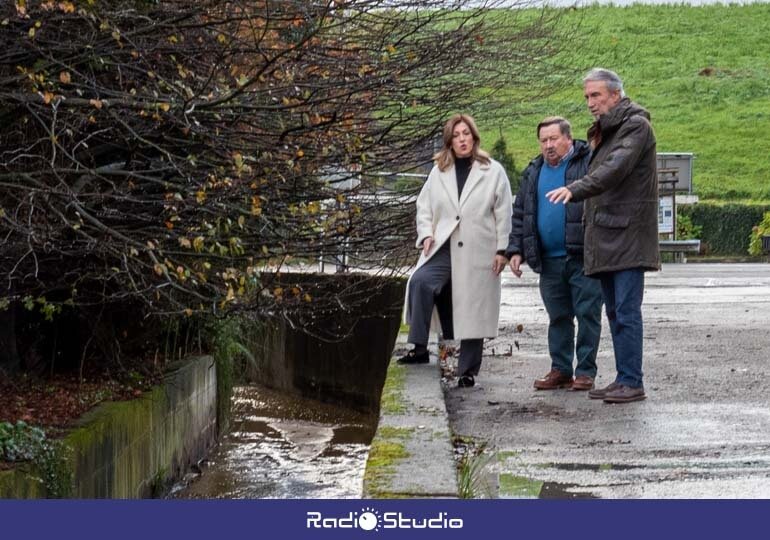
{"x": 554, "y": 379}
{"x": 625, "y": 394}
{"x": 583, "y": 382}
{"x": 599, "y": 393}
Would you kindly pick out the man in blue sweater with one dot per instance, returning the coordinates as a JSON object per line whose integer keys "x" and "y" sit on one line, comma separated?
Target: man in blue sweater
{"x": 549, "y": 238}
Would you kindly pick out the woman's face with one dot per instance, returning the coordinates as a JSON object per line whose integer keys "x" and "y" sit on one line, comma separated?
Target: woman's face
{"x": 462, "y": 140}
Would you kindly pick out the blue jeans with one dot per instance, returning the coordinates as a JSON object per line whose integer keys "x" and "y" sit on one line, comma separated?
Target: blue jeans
{"x": 623, "y": 292}
{"x": 568, "y": 295}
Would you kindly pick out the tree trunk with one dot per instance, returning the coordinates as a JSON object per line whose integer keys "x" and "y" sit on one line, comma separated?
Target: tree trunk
{"x": 9, "y": 355}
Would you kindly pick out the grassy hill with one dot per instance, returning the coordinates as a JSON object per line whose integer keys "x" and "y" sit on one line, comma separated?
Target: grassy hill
{"x": 702, "y": 72}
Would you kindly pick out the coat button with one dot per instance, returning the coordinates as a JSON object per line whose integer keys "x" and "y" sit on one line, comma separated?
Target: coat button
{"x": 459, "y": 244}
{"x": 457, "y": 218}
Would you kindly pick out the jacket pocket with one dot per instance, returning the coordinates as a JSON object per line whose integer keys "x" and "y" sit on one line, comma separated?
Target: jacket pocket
{"x": 611, "y": 222}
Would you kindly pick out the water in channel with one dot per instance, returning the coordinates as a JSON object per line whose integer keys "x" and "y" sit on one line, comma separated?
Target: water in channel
{"x": 284, "y": 447}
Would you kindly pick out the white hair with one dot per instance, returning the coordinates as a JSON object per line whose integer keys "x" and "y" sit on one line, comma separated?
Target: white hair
{"x": 610, "y": 78}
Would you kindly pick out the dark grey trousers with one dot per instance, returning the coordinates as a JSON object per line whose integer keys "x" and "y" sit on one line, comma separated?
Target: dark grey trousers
{"x": 424, "y": 286}
{"x": 470, "y": 357}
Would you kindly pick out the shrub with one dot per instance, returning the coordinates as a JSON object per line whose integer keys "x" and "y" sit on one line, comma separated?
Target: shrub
{"x": 685, "y": 229}
{"x": 51, "y": 458}
{"x": 755, "y": 238}
{"x": 500, "y": 153}
{"x": 725, "y": 227}
{"x": 20, "y": 441}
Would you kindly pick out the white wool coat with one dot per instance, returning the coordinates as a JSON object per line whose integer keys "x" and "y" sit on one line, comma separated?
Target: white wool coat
{"x": 477, "y": 225}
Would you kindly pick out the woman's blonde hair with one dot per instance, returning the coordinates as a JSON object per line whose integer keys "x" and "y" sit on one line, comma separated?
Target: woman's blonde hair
{"x": 445, "y": 157}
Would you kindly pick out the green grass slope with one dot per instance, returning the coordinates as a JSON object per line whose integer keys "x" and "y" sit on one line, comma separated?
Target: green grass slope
{"x": 703, "y": 73}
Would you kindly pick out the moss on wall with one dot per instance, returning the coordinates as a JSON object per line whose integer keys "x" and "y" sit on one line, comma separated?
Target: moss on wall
{"x": 127, "y": 449}
{"x": 20, "y": 483}
{"x": 392, "y": 400}
{"x": 388, "y": 447}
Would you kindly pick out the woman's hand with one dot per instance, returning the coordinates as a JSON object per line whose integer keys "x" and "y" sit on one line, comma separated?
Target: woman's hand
{"x": 426, "y": 245}
{"x": 498, "y": 264}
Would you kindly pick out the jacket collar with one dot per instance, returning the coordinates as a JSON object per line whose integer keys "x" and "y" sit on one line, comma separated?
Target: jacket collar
{"x": 449, "y": 181}
{"x": 616, "y": 116}
{"x": 581, "y": 148}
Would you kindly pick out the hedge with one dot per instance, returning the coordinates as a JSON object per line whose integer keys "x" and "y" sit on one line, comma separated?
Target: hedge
{"x": 726, "y": 226}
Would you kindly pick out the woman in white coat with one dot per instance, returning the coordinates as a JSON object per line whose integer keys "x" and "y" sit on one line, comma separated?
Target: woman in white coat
{"x": 463, "y": 222}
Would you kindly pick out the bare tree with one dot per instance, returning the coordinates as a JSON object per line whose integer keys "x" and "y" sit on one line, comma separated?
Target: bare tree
{"x": 181, "y": 154}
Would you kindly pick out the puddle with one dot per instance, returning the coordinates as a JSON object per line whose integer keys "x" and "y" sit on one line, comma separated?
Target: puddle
{"x": 520, "y": 487}
{"x": 589, "y": 466}
{"x": 556, "y": 490}
{"x": 281, "y": 447}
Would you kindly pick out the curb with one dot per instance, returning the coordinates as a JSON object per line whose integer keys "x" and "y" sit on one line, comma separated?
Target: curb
{"x": 411, "y": 455}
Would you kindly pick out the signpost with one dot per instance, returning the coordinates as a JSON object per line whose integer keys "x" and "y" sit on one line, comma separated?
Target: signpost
{"x": 667, "y": 180}
{"x": 666, "y": 215}
{"x": 674, "y": 174}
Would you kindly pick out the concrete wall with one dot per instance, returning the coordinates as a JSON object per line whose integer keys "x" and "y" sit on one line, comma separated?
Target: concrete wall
{"x": 350, "y": 371}
{"x": 125, "y": 449}
{"x": 19, "y": 483}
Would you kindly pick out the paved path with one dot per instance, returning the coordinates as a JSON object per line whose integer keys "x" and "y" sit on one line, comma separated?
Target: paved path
{"x": 704, "y": 430}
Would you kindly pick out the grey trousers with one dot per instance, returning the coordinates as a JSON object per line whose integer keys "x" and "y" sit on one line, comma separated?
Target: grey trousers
{"x": 470, "y": 357}
{"x": 424, "y": 286}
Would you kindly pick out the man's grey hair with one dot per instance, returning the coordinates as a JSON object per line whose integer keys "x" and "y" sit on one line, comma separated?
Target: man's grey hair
{"x": 614, "y": 83}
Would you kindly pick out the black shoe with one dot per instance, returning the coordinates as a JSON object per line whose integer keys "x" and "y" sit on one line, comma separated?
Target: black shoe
{"x": 466, "y": 381}
{"x": 413, "y": 357}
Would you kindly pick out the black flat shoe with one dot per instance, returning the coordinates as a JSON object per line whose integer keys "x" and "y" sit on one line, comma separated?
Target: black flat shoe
{"x": 413, "y": 357}
{"x": 466, "y": 381}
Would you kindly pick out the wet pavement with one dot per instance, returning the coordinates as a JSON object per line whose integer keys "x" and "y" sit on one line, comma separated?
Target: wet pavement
{"x": 282, "y": 446}
{"x": 703, "y": 432}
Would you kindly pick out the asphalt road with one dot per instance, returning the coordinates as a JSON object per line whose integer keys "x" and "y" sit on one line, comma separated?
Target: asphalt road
{"x": 703, "y": 432}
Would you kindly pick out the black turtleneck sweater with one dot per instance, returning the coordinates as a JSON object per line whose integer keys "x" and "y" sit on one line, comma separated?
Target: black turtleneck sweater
{"x": 462, "y": 169}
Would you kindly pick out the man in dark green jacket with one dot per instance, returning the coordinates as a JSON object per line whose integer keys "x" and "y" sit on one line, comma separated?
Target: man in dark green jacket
{"x": 621, "y": 221}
